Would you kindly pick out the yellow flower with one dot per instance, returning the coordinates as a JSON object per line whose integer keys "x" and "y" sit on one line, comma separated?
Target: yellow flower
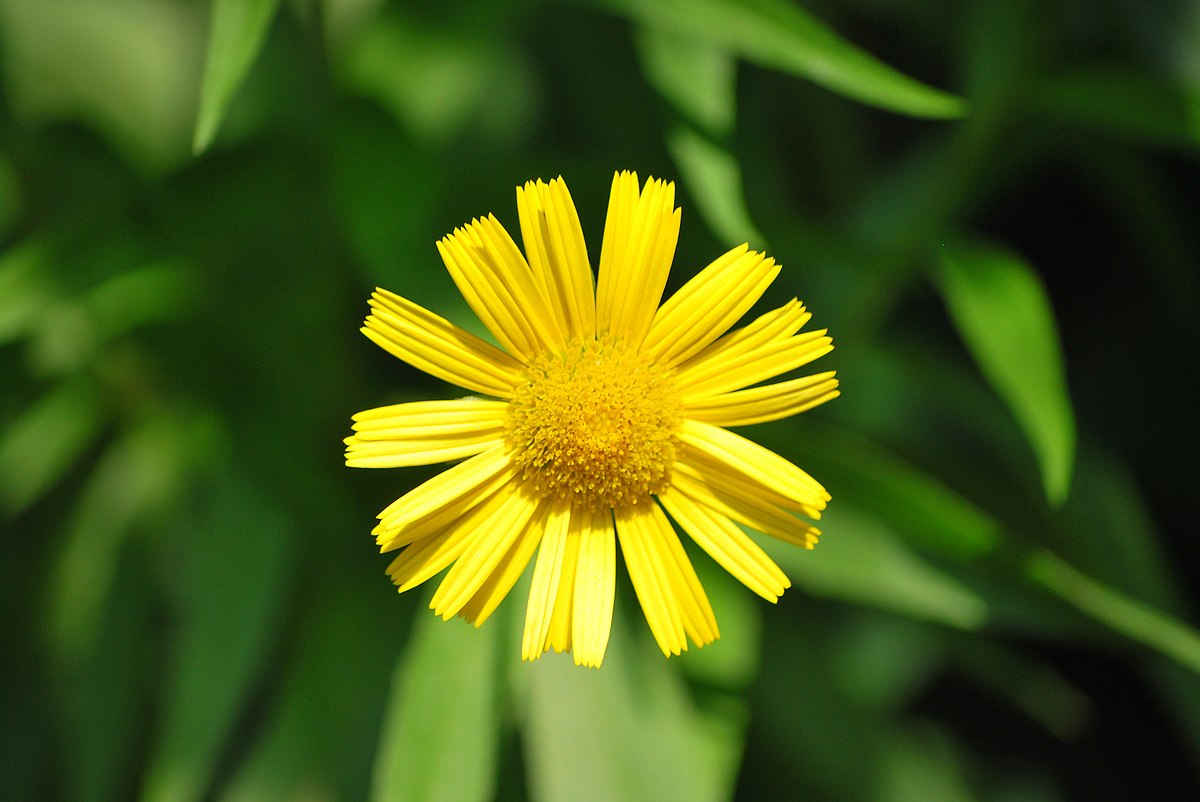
{"x": 602, "y": 414}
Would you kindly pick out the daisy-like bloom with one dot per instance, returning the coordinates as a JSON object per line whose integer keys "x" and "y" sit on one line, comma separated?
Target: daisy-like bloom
{"x": 598, "y": 420}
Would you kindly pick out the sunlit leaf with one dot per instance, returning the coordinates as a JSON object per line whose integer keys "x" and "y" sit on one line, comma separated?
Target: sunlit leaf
{"x": 696, "y": 76}
{"x": 626, "y": 731}
{"x": 236, "y": 33}
{"x": 782, "y": 35}
{"x": 127, "y": 68}
{"x": 230, "y": 588}
{"x": 859, "y": 559}
{"x": 441, "y": 729}
{"x": 46, "y": 440}
{"x": 714, "y": 179}
{"x": 1001, "y": 310}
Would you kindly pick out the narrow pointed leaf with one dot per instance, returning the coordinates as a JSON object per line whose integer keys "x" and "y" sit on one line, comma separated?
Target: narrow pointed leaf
{"x": 231, "y": 591}
{"x": 1123, "y": 614}
{"x": 46, "y": 440}
{"x": 782, "y": 35}
{"x": 236, "y": 34}
{"x": 714, "y": 178}
{"x": 442, "y": 724}
{"x": 1003, "y": 314}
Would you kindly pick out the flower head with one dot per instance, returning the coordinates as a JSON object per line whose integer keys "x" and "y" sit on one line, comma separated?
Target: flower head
{"x": 602, "y": 418}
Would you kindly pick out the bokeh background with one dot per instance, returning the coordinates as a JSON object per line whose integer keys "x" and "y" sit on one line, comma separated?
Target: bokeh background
{"x": 993, "y": 205}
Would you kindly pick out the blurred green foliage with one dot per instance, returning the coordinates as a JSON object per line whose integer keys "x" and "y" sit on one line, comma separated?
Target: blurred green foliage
{"x": 991, "y": 205}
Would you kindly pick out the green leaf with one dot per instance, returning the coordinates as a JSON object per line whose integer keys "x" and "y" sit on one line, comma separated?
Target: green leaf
{"x": 319, "y": 736}
{"x": 25, "y": 289}
{"x": 922, "y": 762}
{"x": 442, "y": 725}
{"x": 436, "y": 83}
{"x": 625, "y": 731}
{"x": 231, "y": 587}
{"x": 1125, "y": 102}
{"x": 135, "y": 481}
{"x": 714, "y": 178}
{"x": 42, "y": 444}
{"x": 236, "y": 33}
{"x": 103, "y": 699}
{"x": 126, "y": 68}
{"x": 697, "y": 77}
{"x": 783, "y": 36}
{"x": 139, "y": 296}
{"x": 859, "y": 559}
{"x": 1001, "y": 310}
{"x": 1127, "y": 616}
{"x": 918, "y": 506}
{"x": 1028, "y": 684}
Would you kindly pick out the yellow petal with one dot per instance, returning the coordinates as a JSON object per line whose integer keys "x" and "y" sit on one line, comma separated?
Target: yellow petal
{"x": 745, "y": 458}
{"x": 506, "y": 573}
{"x": 672, "y": 599}
{"x": 491, "y": 540}
{"x": 652, "y": 589}
{"x": 424, "y": 432}
{"x": 761, "y": 404}
{"x": 557, "y": 254}
{"x": 727, "y": 544}
{"x": 543, "y": 590}
{"x": 438, "y": 347}
{"x": 769, "y": 327}
{"x": 559, "y": 636}
{"x": 745, "y": 501}
{"x": 725, "y": 372}
{"x": 640, "y": 235}
{"x": 430, "y": 556}
{"x": 595, "y": 583}
{"x": 426, "y": 507}
{"x": 497, "y": 283}
{"x": 704, "y": 308}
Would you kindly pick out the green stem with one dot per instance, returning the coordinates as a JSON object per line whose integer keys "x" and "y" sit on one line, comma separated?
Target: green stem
{"x": 1122, "y": 614}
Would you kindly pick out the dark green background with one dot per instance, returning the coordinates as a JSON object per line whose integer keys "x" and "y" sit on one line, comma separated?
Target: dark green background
{"x": 196, "y": 201}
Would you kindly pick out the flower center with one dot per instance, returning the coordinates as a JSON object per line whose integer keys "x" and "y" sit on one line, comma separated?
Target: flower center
{"x": 595, "y": 425}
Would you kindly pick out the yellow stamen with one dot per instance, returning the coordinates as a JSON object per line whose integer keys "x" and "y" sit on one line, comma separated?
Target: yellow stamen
{"x": 595, "y": 425}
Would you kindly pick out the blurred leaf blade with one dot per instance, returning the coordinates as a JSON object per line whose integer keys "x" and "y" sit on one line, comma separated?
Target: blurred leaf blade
{"x": 915, "y": 504}
{"x": 46, "y": 441}
{"x": 231, "y": 595}
{"x": 697, "y": 77}
{"x": 1127, "y": 616}
{"x": 625, "y": 731}
{"x": 126, "y": 68}
{"x": 236, "y": 33}
{"x": 25, "y": 288}
{"x": 136, "y": 479}
{"x": 1004, "y": 316}
{"x": 862, "y": 561}
{"x": 442, "y": 723}
{"x": 1127, "y": 103}
{"x": 783, "y": 36}
{"x": 714, "y": 178}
